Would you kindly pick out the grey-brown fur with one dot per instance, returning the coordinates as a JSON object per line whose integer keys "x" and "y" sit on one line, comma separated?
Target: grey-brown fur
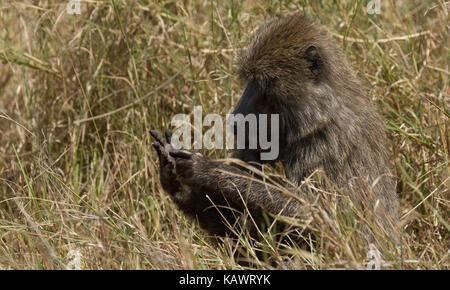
{"x": 327, "y": 122}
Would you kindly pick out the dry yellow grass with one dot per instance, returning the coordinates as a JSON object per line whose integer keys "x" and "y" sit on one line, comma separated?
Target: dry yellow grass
{"x": 78, "y": 94}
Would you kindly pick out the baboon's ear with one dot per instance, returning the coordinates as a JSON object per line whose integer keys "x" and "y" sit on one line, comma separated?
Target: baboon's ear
{"x": 313, "y": 56}
{"x": 312, "y": 52}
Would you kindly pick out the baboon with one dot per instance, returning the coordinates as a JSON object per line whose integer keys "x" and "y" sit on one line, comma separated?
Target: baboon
{"x": 293, "y": 68}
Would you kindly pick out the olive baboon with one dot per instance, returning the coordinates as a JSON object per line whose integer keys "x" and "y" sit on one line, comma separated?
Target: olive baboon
{"x": 294, "y": 69}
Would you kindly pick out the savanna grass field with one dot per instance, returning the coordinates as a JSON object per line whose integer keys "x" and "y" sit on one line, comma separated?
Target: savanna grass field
{"x": 79, "y": 180}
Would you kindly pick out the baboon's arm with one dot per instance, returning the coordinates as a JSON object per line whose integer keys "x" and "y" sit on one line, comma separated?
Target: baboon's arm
{"x": 239, "y": 188}
{"x": 216, "y": 193}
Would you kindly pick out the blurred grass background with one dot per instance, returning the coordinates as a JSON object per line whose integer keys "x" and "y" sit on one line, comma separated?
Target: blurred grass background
{"x": 78, "y": 94}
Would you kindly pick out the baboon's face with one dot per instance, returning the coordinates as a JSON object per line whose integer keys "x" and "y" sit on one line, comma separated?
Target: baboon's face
{"x": 284, "y": 59}
{"x": 279, "y": 67}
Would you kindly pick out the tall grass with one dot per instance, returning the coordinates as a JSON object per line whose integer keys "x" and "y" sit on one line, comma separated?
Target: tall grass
{"x": 78, "y": 94}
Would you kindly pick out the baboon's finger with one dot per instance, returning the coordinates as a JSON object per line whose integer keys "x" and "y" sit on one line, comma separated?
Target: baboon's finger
{"x": 157, "y": 147}
{"x": 155, "y": 134}
{"x": 168, "y": 134}
{"x": 160, "y": 149}
{"x": 180, "y": 153}
{"x": 163, "y": 154}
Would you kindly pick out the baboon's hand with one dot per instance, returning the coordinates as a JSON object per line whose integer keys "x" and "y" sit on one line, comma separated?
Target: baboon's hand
{"x": 192, "y": 169}
{"x": 166, "y": 162}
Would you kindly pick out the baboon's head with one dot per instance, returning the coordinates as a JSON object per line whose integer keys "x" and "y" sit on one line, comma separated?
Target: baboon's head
{"x": 280, "y": 48}
{"x": 287, "y": 56}
{"x": 292, "y": 68}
